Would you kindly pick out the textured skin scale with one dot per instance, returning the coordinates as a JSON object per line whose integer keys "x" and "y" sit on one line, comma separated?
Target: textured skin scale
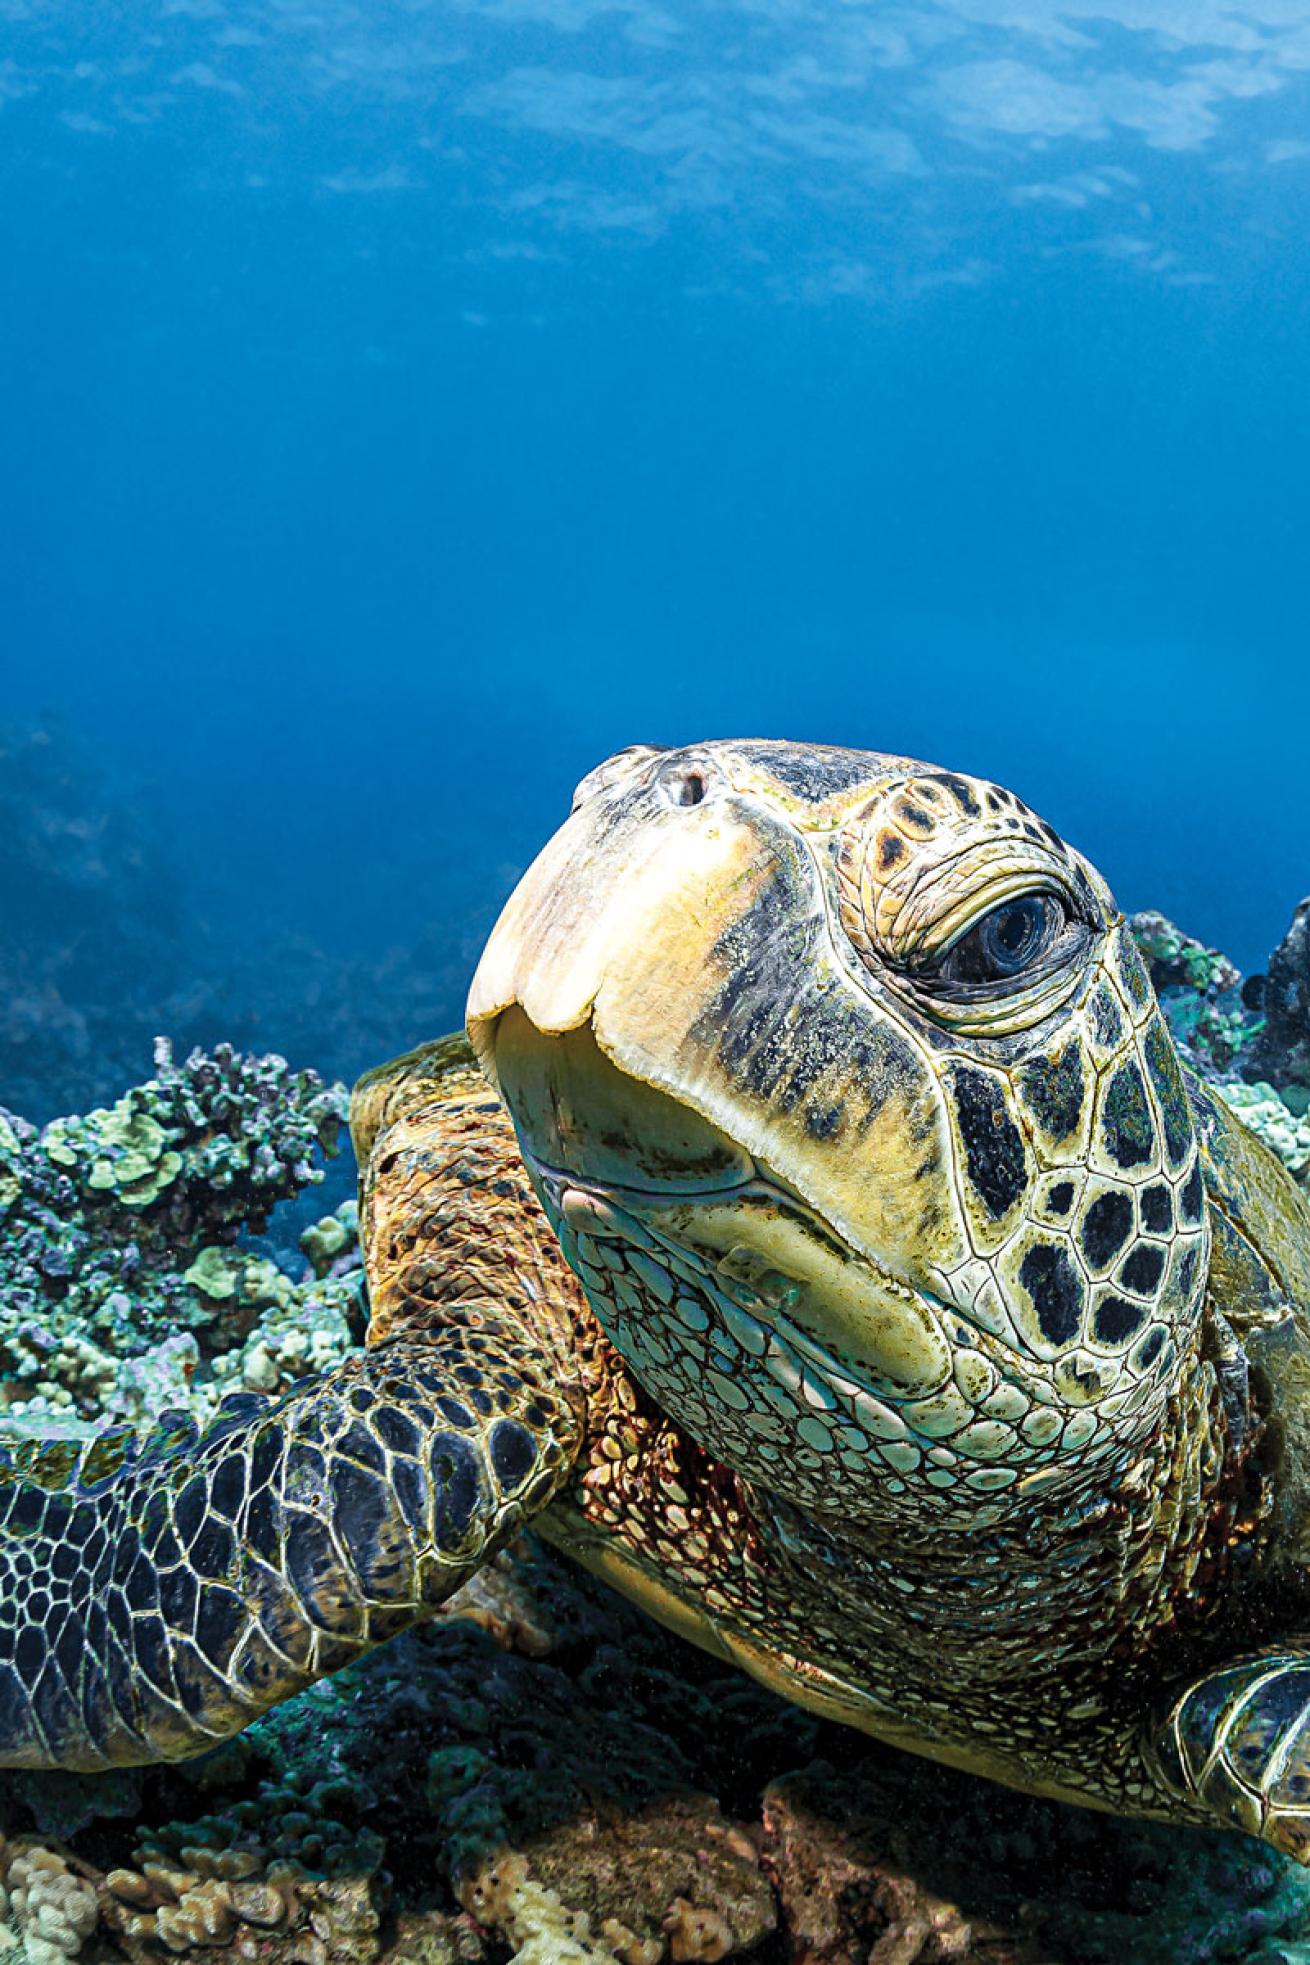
{"x": 938, "y": 1355}
{"x": 155, "y": 1602}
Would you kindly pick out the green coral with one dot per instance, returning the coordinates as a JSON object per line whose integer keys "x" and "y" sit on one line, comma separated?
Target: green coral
{"x": 214, "y": 1274}
{"x": 1199, "y": 991}
{"x": 1176, "y": 958}
{"x": 329, "y": 1239}
{"x": 11, "y": 1178}
{"x": 128, "y": 1278}
{"x": 123, "y": 1151}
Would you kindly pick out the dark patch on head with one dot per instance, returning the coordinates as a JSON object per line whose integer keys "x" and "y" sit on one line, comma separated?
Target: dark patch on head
{"x": 777, "y": 1028}
{"x": 1127, "y": 1123}
{"x": 1157, "y": 1209}
{"x": 1060, "y": 1199}
{"x": 993, "y": 1145}
{"x": 513, "y": 1453}
{"x": 1170, "y": 1091}
{"x": 813, "y": 771}
{"x": 823, "y": 1121}
{"x": 1191, "y": 1198}
{"x": 1143, "y": 1268}
{"x": 1105, "y": 1017}
{"x": 1133, "y": 970}
{"x": 1056, "y": 1292}
{"x": 763, "y": 954}
{"x": 1187, "y": 1269}
{"x": 889, "y": 850}
{"x": 1106, "y": 1226}
{"x": 1052, "y": 1089}
{"x": 1150, "y": 1351}
{"x": 1117, "y": 1321}
{"x": 963, "y": 793}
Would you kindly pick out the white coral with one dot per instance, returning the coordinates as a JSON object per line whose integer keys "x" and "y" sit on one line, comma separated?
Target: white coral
{"x": 1259, "y": 1107}
{"x": 541, "y": 1928}
{"x": 49, "y": 1909}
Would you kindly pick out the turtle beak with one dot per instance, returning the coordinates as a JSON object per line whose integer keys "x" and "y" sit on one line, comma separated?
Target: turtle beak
{"x": 577, "y": 1114}
{"x": 580, "y": 1007}
{"x": 614, "y": 923}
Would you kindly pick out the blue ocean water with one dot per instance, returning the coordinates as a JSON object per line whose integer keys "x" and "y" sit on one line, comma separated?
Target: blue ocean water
{"x": 404, "y": 405}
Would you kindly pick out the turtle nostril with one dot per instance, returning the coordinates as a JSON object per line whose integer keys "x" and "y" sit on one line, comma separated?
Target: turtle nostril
{"x": 685, "y": 787}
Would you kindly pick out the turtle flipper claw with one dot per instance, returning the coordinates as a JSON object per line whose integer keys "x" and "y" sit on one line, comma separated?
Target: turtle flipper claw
{"x": 1238, "y": 1741}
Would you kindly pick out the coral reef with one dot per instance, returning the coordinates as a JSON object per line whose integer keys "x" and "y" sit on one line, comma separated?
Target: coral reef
{"x": 1202, "y": 993}
{"x": 1282, "y": 1049}
{"x": 1285, "y": 1131}
{"x": 129, "y": 1276}
{"x": 1249, "y": 1036}
{"x": 49, "y": 1908}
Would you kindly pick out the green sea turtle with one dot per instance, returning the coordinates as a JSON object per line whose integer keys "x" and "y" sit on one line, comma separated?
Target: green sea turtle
{"x": 820, "y": 1242}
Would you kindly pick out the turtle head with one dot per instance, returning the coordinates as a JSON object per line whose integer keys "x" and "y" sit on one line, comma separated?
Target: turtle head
{"x": 845, "y": 1089}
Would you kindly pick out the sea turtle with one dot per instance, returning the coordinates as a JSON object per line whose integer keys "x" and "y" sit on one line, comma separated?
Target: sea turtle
{"x": 820, "y": 1241}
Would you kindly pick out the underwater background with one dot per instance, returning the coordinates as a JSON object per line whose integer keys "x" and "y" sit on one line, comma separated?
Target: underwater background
{"x": 402, "y": 406}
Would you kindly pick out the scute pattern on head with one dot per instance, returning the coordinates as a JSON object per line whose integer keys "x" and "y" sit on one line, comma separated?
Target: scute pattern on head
{"x": 974, "y": 1243}
{"x": 1069, "y": 1121}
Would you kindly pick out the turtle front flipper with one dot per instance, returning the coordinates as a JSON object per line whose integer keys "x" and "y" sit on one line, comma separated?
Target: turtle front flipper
{"x": 156, "y": 1597}
{"x": 153, "y": 1602}
{"x": 1238, "y": 1742}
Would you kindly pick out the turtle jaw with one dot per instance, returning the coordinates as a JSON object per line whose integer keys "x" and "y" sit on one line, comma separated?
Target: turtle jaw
{"x": 616, "y": 1161}
{"x": 579, "y": 1115}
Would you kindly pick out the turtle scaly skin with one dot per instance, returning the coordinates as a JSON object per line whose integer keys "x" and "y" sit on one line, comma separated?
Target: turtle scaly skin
{"x": 155, "y": 1601}
{"x": 846, "y": 1271}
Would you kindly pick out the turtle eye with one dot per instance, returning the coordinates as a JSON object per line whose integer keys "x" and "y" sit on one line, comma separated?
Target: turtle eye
{"x": 1012, "y": 938}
